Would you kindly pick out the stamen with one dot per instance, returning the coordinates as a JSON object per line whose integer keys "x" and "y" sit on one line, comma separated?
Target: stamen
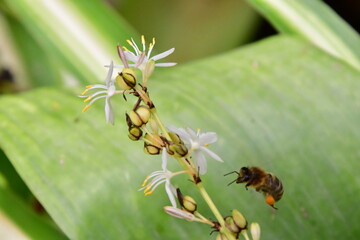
{"x": 142, "y": 40}
{"x": 148, "y": 193}
{"x": 86, "y": 108}
{"x": 88, "y": 99}
{"x": 125, "y": 48}
{"x": 145, "y": 181}
{"x": 130, "y": 43}
{"x": 84, "y": 92}
{"x": 89, "y": 86}
{"x": 147, "y": 188}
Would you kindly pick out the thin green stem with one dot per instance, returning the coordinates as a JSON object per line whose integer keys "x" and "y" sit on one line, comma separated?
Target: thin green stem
{"x": 210, "y": 203}
{"x": 161, "y": 125}
{"x": 199, "y": 185}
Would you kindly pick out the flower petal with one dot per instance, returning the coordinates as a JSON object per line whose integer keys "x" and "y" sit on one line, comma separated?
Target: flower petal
{"x": 169, "y": 64}
{"x": 169, "y": 191}
{"x": 164, "y": 159}
{"x": 130, "y": 56}
{"x": 200, "y": 162}
{"x": 110, "y": 72}
{"x": 109, "y": 115}
{"x": 163, "y": 54}
{"x": 211, "y": 154}
{"x": 207, "y": 138}
{"x": 176, "y": 212}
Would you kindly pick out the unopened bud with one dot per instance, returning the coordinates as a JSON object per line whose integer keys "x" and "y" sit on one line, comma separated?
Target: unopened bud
{"x": 177, "y": 146}
{"x": 175, "y": 138}
{"x": 239, "y": 219}
{"x": 126, "y": 79}
{"x": 255, "y": 231}
{"x": 135, "y": 133}
{"x": 178, "y": 150}
{"x": 189, "y": 204}
{"x": 153, "y": 144}
{"x": 221, "y": 236}
{"x": 231, "y": 225}
{"x": 140, "y": 116}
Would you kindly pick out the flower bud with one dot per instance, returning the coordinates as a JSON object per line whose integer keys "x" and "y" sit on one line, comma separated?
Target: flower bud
{"x": 178, "y": 150}
{"x": 231, "y": 225}
{"x": 221, "y": 236}
{"x": 126, "y": 79}
{"x": 153, "y": 144}
{"x": 135, "y": 133}
{"x": 239, "y": 219}
{"x": 189, "y": 204}
{"x": 140, "y": 116}
{"x": 151, "y": 149}
{"x": 177, "y": 146}
{"x": 255, "y": 231}
{"x": 175, "y": 138}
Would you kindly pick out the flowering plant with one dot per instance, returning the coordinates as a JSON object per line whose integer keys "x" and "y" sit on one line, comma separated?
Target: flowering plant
{"x": 189, "y": 148}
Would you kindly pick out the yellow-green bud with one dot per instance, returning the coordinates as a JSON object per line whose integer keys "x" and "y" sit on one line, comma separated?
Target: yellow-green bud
{"x": 231, "y": 225}
{"x": 189, "y": 204}
{"x": 151, "y": 149}
{"x": 126, "y": 79}
{"x": 140, "y": 116}
{"x": 178, "y": 150}
{"x": 135, "y": 133}
{"x": 153, "y": 144}
{"x": 174, "y": 137}
{"x": 221, "y": 236}
{"x": 239, "y": 219}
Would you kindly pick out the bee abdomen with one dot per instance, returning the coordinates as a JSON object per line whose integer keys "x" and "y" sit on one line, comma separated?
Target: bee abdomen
{"x": 274, "y": 187}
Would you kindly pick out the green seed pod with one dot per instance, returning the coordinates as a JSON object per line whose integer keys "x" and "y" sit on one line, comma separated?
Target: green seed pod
{"x": 239, "y": 219}
{"x": 140, "y": 116}
{"x": 231, "y": 225}
{"x": 135, "y": 133}
{"x": 189, "y": 204}
{"x": 126, "y": 79}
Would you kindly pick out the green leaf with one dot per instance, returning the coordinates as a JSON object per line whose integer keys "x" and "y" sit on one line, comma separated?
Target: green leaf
{"x": 80, "y": 36}
{"x": 281, "y": 104}
{"x": 19, "y": 222}
{"x": 315, "y": 21}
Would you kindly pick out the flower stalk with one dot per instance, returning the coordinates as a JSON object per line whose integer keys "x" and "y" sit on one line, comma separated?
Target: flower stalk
{"x": 188, "y": 147}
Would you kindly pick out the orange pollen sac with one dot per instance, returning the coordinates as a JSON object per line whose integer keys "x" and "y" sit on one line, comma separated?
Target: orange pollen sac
{"x": 270, "y": 200}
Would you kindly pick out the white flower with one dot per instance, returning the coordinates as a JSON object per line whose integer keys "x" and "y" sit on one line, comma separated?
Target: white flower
{"x": 141, "y": 59}
{"x": 106, "y": 91}
{"x": 176, "y": 212}
{"x": 159, "y": 177}
{"x": 197, "y": 145}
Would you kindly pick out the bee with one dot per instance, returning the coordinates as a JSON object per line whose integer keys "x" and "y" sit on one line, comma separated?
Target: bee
{"x": 262, "y": 181}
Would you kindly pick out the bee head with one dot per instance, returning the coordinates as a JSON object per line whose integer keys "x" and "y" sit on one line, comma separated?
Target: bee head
{"x": 244, "y": 175}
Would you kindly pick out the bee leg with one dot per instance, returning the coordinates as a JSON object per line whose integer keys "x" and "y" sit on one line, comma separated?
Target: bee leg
{"x": 247, "y": 185}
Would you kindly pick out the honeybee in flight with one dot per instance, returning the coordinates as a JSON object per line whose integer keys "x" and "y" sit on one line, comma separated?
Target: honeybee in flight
{"x": 262, "y": 181}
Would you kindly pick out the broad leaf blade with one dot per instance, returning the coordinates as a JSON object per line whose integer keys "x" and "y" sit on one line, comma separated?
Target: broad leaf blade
{"x": 315, "y": 21}
{"x": 292, "y": 111}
